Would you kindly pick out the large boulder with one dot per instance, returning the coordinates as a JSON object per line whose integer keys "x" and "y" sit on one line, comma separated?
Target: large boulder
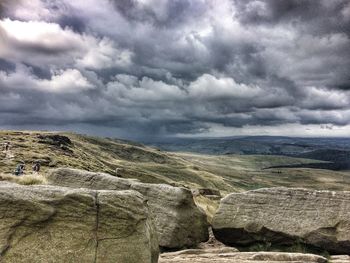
{"x": 284, "y": 217}
{"x": 57, "y": 224}
{"x": 178, "y": 221}
{"x": 226, "y": 255}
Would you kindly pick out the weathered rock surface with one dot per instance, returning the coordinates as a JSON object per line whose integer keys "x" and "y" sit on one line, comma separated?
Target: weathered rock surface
{"x": 178, "y": 220}
{"x": 229, "y": 255}
{"x": 340, "y": 259}
{"x": 285, "y": 217}
{"x": 57, "y": 224}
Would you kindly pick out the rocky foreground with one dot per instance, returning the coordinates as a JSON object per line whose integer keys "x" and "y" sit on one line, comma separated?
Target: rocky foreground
{"x": 95, "y": 217}
{"x": 179, "y": 223}
{"x": 56, "y": 224}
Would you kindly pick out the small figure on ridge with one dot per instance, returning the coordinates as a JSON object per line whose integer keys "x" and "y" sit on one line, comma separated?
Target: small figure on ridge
{"x": 20, "y": 169}
{"x": 7, "y": 146}
{"x": 36, "y": 167}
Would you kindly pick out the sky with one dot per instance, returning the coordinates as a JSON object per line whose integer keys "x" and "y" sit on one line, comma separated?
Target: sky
{"x": 194, "y": 68}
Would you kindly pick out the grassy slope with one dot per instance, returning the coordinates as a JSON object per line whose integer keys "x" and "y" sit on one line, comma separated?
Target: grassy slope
{"x": 226, "y": 173}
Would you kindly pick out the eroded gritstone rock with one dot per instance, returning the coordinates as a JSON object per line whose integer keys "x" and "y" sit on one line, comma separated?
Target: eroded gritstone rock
{"x": 285, "y": 217}
{"x": 57, "y": 224}
{"x": 179, "y": 222}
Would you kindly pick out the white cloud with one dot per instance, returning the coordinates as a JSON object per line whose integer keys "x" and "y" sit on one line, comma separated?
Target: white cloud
{"x": 103, "y": 54}
{"x": 69, "y": 80}
{"x": 27, "y": 10}
{"x": 41, "y": 43}
{"x": 61, "y": 81}
{"x": 210, "y": 87}
{"x": 46, "y": 35}
{"x": 144, "y": 90}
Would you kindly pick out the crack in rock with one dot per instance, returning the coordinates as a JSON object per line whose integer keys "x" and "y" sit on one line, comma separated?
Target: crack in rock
{"x": 97, "y": 205}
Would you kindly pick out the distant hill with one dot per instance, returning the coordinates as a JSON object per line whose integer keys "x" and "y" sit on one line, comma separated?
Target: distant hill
{"x": 227, "y": 173}
{"x": 336, "y": 151}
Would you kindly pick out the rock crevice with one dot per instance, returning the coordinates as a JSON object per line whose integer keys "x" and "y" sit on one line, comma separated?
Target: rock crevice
{"x": 97, "y": 205}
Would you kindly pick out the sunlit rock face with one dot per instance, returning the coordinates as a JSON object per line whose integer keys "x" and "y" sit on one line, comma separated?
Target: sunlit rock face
{"x": 285, "y": 217}
{"x": 57, "y": 224}
{"x": 178, "y": 221}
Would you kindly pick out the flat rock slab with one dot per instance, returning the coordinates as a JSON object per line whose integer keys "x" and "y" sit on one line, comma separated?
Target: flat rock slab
{"x": 340, "y": 259}
{"x": 285, "y": 217}
{"x": 227, "y": 255}
{"x": 179, "y": 222}
{"x": 57, "y": 224}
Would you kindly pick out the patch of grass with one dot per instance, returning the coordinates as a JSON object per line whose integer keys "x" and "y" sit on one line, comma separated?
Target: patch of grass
{"x": 26, "y": 179}
{"x": 208, "y": 205}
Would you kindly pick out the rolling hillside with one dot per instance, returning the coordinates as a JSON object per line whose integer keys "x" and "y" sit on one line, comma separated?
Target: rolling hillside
{"x": 277, "y": 145}
{"x": 227, "y": 173}
{"x": 334, "y": 151}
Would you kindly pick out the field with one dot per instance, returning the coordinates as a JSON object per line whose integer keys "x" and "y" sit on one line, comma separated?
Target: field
{"x": 227, "y": 173}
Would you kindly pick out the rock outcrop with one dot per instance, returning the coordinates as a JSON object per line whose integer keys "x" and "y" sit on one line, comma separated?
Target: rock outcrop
{"x": 229, "y": 255}
{"x": 54, "y": 139}
{"x": 178, "y": 220}
{"x": 283, "y": 217}
{"x": 57, "y": 224}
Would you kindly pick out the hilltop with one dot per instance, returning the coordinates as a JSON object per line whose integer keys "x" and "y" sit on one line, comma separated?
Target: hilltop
{"x": 227, "y": 173}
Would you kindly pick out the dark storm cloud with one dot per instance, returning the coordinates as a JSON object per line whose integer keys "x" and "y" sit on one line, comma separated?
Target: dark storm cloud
{"x": 6, "y": 6}
{"x": 75, "y": 22}
{"x": 7, "y": 65}
{"x": 321, "y": 16}
{"x": 160, "y": 14}
{"x": 158, "y": 68}
{"x": 272, "y": 11}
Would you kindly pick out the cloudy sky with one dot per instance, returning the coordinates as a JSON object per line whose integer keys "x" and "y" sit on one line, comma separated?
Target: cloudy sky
{"x": 150, "y": 68}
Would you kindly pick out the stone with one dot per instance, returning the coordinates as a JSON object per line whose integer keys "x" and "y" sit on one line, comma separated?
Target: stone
{"x": 229, "y": 255}
{"x": 179, "y": 222}
{"x": 285, "y": 217}
{"x": 54, "y": 139}
{"x": 339, "y": 259}
{"x": 57, "y": 224}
